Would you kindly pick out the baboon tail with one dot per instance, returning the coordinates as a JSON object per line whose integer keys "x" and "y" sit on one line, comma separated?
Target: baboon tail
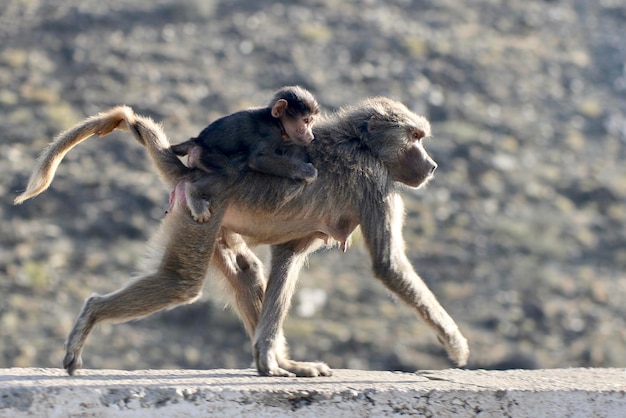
{"x": 144, "y": 130}
{"x": 48, "y": 161}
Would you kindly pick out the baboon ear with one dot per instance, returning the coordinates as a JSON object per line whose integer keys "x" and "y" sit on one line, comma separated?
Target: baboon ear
{"x": 279, "y": 108}
{"x": 374, "y": 122}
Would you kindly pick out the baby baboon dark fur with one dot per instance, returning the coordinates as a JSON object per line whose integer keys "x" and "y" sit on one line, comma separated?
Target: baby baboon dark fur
{"x": 363, "y": 152}
{"x": 254, "y": 136}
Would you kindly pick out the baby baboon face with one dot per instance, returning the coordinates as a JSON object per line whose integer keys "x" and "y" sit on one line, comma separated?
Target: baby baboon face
{"x": 299, "y": 129}
{"x": 296, "y": 108}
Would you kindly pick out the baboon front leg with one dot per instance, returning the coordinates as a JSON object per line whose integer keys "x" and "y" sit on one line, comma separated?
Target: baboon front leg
{"x": 392, "y": 267}
{"x": 270, "y": 349}
{"x": 184, "y": 260}
{"x": 400, "y": 278}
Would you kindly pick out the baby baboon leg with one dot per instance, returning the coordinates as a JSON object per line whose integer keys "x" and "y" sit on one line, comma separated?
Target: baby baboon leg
{"x": 269, "y": 344}
{"x": 245, "y": 276}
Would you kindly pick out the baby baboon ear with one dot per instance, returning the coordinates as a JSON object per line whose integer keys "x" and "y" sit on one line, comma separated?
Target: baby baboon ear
{"x": 279, "y": 108}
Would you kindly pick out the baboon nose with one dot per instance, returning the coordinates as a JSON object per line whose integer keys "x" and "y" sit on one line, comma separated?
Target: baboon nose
{"x": 433, "y": 167}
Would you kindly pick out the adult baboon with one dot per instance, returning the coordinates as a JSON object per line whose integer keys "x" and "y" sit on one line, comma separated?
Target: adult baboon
{"x": 363, "y": 153}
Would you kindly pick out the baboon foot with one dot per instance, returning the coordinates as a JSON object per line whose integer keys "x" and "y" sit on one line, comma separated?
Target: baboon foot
{"x": 271, "y": 365}
{"x": 72, "y": 362}
{"x": 275, "y": 372}
{"x": 201, "y": 217}
{"x": 199, "y": 207}
{"x": 306, "y": 368}
{"x": 200, "y": 210}
{"x": 268, "y": 366}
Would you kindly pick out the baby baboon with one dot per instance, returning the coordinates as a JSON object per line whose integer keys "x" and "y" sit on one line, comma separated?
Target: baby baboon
{"x": 254, "y": 135}
{"x": 363, "y": 153}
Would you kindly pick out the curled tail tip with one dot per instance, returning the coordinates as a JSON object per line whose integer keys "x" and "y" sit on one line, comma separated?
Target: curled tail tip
{"x": 126, "y": 115}
{"x": 127, "y": 112}
{"x": 124, "y": 109}
{"x": 119, "y": 117}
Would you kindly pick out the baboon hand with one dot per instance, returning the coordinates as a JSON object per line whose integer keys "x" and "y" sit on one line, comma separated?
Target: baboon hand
{"x": 72, "y": 362}
{"x": 456, "y": 346}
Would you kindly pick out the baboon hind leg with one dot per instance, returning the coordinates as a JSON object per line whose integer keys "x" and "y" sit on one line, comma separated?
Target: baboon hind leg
{"x": 144, "y": 296}
{"x": 270, "y": 348}
{"x": 244, "y": 275}
{"x": 187, "y": 249}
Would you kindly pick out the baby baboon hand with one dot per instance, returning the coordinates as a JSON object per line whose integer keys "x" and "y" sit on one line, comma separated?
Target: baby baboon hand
{"x": 308, "y": 173}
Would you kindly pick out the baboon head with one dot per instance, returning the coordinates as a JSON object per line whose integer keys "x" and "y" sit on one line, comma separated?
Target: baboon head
{"x": 395, "y": 135}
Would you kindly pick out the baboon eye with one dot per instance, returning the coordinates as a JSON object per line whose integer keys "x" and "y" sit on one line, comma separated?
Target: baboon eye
{"x": 417, "y": 134}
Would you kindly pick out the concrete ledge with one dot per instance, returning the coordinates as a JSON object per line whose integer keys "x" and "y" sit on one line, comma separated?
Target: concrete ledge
{"x": 349, "y": 393}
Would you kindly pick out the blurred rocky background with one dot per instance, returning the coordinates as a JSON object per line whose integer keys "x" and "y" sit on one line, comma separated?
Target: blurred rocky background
{"x": 521, "y": 235}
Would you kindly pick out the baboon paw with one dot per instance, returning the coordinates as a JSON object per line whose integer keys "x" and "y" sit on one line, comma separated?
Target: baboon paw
{"x": 72, "y": 362}
{"x": 202, "y": 217}
{"x": 310, "y": 174}
{"x": 276, "y": 372}
{"x": 308, "y": 369}
{"x": 457, "y": 347}
{"x": 313, "y": 370}
{"x": 268, "y": 366}
{"x": 200, "y": 211}
{"x": 307, "y": 174}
